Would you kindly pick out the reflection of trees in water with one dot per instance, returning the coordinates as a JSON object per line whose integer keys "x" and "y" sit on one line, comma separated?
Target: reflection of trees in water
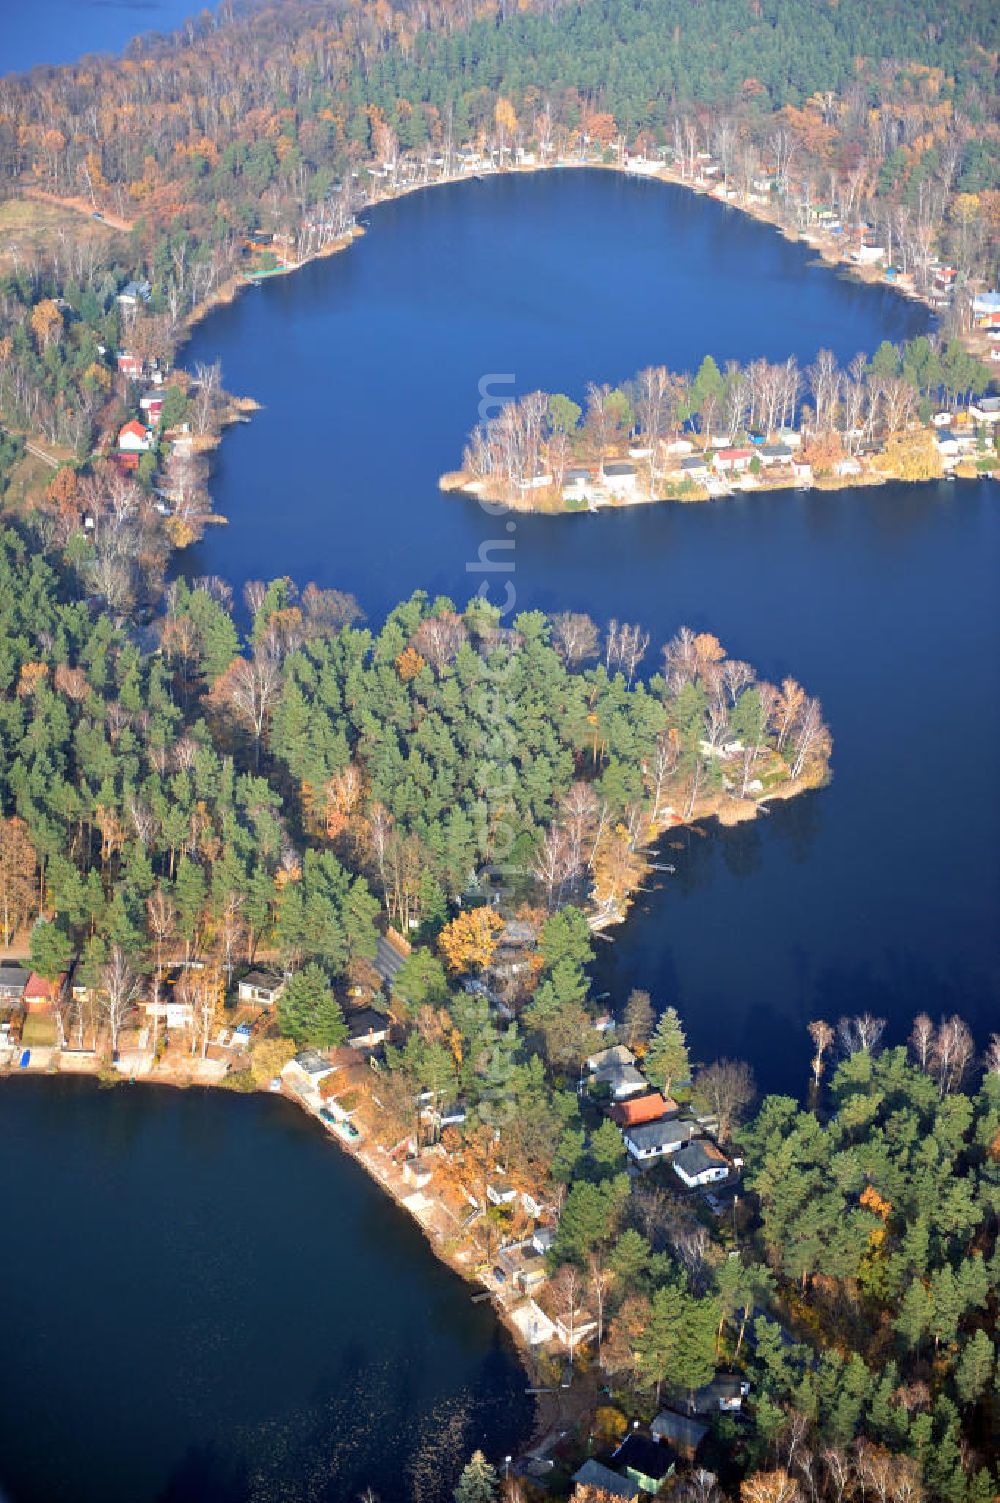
{"x": 741, "y": 849}
{"x": 797, "y": 822}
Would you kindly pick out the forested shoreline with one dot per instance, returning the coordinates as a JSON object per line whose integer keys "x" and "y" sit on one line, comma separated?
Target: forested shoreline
{"x": 182, "y": 813}
{"x": 214, "y": 163}
{"x": 366, "y": 864}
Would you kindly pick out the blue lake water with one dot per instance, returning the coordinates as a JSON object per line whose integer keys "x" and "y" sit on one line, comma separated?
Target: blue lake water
{"x": 208, "y": 1301}
{"x": 60, "y": 31}
{"x": 881, "y": 891}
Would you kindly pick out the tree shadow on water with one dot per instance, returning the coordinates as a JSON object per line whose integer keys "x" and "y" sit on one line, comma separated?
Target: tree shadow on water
{"x": 202, "y": 1474}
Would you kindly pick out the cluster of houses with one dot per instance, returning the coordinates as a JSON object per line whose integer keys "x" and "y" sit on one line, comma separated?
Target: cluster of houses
{"x": 651, "y": 1124}
{"x": 717, "y": 467}
{"x": 138, "y": 435}
{"x": 169, "y": 1014}
{"x": 645, "y": 1459}
{"x": 956, "y": 435}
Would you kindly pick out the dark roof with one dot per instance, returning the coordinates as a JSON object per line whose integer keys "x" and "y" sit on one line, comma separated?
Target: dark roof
{"x": 13, "y": 978}
{"x": 364, "y": 1021}
{"x": 267, "y": 981}
{"x": 456, "y": 1112}
{"x": 659, "y": 1134}
{"x": 723, "y": 1387}
{"x": 680, "y": 1429}
{"x": 701, "y": 1155}
{"x": 776, "y": 451}
{"x": 620, "y": 467}
{"x": 645, "y": 1455}
{"x": 596, "y": 1474}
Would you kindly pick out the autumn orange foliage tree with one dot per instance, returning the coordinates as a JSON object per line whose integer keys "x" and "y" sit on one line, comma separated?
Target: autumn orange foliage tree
{"x": 469, "y": 942}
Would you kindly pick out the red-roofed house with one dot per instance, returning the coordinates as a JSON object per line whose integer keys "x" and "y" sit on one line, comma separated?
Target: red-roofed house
{"x": 651, "y": 1108}
{"x": 41, "y": 995}
{"x": 733, "y": 460}
{"x": 131, "y": 366}
{"x": 133, "y": 438}
{"x": 152, "y": 406}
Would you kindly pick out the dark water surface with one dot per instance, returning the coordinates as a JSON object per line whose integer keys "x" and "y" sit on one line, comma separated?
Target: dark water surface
{"x": 60, "y": 31}
{"x": 881, "y": 891}
{"x": 205, "y": 1300}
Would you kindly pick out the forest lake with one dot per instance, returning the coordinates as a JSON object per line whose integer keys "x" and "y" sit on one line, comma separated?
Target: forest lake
{"x": 274, "y": 1281}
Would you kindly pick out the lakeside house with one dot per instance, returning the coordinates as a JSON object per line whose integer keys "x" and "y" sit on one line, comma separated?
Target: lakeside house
{"x": 701, "y": 1163}
{"x": 725, "y": 1395}
{"x": 684, "y": 1433}
{"x": 694, "y": 467}
{"x": 539, "y": 481}
{"x": 305, "y": 1072}
{"x": 577, "y": 484}
{"x": 573, "y": 1330}
{"x": 366, "y": 1028}
{"x": 646, "y": 1461}
{"x": 605, "y": 1059}
{"x": 133, "y": 438}
{"x": 621, "y": 1081}
{"x": 523, "y": 1265}
{"x": 173, "y": 1013}
{"x": 261, "y": 988}
{"x": 732, "y": 461}
{"x": 13, "y": 980}
{"x": 600, "y": 1477}
{"x": 543, "y": 1238}
{"x": 772, "y": 454}
{"x": 152, "y": 405}
{"x": 501, "y": 1193}
{"x": 134, "y": 293}
{"x": 620, "y": 477}
{"x": 985, "y": 410}
{"x": 986, "y": 310}
{"x": 869, "y": 255}
{"x": 640, "y": 1109}
{"x": 656, "y": 1140}
{"x": 129, "y": 365}
{"x": 41, "y": 994}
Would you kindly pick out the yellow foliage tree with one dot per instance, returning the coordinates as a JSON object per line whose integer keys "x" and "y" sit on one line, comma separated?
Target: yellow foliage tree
{"x": 469, "y": 942}
{"x": 31, "y": 675}
{"x": 912, "y": 456}
{"x": 269, "y": 1058}
{"x": 506, "y": 117}
{"x": 46, "y": 321}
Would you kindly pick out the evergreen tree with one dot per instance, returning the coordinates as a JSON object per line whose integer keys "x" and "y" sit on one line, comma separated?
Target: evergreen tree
{"x": 308, "y": 1011}
{"x": 667, "y": 1063}
{"x": 479, "y": 1482}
